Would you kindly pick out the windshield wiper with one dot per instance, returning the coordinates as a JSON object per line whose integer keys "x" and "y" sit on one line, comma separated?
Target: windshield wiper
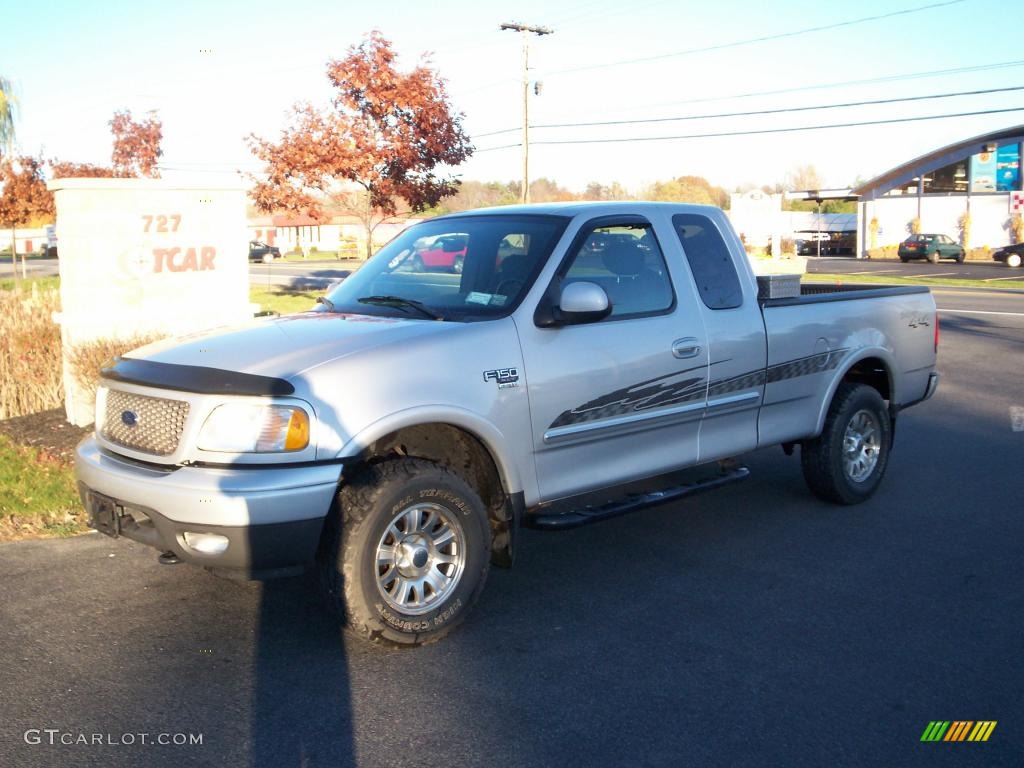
{"x": 400, "y": 303}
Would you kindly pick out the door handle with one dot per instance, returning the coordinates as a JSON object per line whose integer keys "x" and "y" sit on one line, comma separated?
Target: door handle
{"x": 684, "y": 348}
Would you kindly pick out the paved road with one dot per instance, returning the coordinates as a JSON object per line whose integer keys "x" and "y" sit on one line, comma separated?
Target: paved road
{"x": 315, "y": 274}
{"x": 969, "y": 270}
{"x": 33, "y": 268}
{"x": 301, "y": 274}
{"x": 751, "y": 627}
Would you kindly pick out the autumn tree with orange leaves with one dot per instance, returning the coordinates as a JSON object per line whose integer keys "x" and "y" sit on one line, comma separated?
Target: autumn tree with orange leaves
{"x": 384, "y": 136}
{"x": 135, "y": 154}
{"x": 23, "y": 196}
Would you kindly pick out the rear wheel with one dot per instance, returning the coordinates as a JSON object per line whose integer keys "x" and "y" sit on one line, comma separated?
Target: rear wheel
{"x": 846, "y": 462}
{"x": 405, "y": 552}
{"x": 1013, "y": 260}
{"x": 933, "y": 257}
{"x": 267, "y": 258}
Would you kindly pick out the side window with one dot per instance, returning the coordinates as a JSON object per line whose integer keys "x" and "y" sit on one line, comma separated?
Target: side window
{"x": 627, "y": 262}
{"x": 710, "y": 261}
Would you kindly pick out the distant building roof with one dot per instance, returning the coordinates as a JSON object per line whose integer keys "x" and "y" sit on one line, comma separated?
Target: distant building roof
{"x": 938, "y": 158}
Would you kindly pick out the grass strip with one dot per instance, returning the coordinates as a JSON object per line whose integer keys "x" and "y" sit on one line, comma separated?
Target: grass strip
{"x": 38, "y": 496}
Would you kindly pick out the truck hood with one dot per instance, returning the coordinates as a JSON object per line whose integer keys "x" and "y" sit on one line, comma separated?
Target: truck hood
{"x": 285, "y": 347}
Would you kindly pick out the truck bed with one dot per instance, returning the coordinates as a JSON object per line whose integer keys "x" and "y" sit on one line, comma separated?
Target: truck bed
{"x": 815, "y": 293}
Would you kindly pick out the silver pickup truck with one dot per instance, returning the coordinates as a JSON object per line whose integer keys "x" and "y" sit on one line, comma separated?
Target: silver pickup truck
{"x": 584, "y": 360}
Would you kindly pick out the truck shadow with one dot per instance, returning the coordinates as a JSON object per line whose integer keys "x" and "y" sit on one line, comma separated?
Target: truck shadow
{"x": 301, "y": 711}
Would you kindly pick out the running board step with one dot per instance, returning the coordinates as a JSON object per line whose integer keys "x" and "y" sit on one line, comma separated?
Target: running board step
{"x": 560, "y": 521}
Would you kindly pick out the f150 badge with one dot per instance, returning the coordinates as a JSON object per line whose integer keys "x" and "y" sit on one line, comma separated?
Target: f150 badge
{"x": 505, "y": 377}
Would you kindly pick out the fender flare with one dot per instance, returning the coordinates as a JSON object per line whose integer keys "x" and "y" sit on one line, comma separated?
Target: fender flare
{"x": 861, "y": 354}
{"x": 489, "y": 435}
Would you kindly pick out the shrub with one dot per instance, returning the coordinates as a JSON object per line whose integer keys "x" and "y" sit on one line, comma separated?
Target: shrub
{"x": 984, "y": 253}
{"x": 964, "y": 225}
{"x": 88, "y": 358}
{"x": 30, "y": 352}
{"x": 885, "y": 252}
{"x": 1017, "y": 228}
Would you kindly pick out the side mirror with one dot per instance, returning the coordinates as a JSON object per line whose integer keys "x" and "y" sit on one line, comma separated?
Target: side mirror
{"x": 579, "y": 303}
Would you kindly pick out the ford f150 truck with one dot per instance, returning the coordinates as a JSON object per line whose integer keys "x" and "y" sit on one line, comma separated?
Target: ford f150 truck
{"x": 398, "y": 434}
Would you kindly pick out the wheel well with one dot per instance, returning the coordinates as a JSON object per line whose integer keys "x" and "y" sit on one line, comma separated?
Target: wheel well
{"x": 873, "y": 372}
{"x": 465, "y": 455}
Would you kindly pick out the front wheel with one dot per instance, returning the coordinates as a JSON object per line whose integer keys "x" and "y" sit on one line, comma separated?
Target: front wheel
{"x": 1013, "y": 260}
{"x": 405, "y": 552}
{"x": 845, "y": 464}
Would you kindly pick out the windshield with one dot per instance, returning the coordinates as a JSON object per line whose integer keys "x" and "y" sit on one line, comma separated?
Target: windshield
{"x": 456, "y": 268}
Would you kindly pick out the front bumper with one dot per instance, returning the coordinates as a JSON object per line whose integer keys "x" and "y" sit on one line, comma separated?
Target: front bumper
{"x": 271, "y": 517}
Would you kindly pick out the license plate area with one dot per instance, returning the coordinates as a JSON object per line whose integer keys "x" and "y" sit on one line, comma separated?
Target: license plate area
{"x": 104, "y": 514}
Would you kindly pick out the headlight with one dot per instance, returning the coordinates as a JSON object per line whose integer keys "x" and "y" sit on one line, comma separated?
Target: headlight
{"x": 251, "y": 428}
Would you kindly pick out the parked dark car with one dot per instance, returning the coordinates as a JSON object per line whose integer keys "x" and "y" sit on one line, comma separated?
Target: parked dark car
{"x": 1011, "y": 255}
{"x": 931, "y": 247}
{"x": 262, "y": 252}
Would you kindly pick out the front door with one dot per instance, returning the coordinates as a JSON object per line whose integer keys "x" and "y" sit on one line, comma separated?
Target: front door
{"x": 621, "y": 398}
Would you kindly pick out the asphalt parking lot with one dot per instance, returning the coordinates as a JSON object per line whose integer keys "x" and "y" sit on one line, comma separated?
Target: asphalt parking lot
{"x": 989, "y": 271}
{"x": 754, "y": 626}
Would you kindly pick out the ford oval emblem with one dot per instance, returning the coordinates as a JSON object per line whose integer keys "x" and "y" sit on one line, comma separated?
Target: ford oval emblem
{"x": 129, "y": 418}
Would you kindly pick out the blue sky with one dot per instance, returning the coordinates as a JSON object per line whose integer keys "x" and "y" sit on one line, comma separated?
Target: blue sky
{"x": 74, "y": 63}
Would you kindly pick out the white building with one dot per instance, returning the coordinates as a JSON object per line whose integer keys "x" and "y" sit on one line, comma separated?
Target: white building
{"x": 980, "y": 177}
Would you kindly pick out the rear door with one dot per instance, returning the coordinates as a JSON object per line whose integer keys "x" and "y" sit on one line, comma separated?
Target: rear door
{"x": 737, "y": 348}
{"x": 621, "y": 398}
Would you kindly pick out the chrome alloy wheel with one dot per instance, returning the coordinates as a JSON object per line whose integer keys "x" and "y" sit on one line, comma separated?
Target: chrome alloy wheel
{"x": 420, "y": 558}
{"x": 861, "y": 446}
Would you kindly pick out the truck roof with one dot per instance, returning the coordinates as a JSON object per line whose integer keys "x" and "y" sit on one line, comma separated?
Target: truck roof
{"x": 593, "y": 208}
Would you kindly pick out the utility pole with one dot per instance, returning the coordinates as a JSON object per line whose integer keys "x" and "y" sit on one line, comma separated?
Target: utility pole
{"x": 525, "y": 30}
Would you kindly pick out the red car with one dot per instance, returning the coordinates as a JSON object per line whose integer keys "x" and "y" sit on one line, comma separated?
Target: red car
{"x": 446, "y": 252}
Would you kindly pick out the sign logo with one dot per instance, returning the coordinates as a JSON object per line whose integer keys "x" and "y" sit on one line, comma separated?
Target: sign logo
{"x": 129, "y": 418}
{"x": 959, "y": 730}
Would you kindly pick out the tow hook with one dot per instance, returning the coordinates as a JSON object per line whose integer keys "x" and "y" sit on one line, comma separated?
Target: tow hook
{"x": 168, "y": 558}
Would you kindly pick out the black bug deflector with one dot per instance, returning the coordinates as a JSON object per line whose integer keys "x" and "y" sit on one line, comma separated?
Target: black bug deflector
{"x": 194, "y": 378}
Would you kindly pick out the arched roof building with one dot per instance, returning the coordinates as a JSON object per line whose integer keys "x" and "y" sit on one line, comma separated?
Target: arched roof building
{"x": 980, "y": 177}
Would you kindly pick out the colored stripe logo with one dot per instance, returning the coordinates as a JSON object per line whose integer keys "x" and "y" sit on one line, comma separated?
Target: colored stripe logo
{"x": 959, "y": 730}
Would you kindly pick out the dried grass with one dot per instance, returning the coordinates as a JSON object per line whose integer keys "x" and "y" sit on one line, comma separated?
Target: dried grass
{"x": 87, "y": 359}
{"x": 30, "y": 352}
{"x": 31, "y": 377}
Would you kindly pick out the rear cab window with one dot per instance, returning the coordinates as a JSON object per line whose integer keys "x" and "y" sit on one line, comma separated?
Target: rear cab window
{"x": 710, "y": 261}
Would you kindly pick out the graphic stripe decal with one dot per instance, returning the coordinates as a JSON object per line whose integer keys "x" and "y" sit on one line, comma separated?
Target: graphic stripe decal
{"x": 688, "y": 386}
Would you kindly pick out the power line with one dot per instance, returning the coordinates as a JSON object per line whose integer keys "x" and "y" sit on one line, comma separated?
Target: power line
{"x": 759, "y": 131}
{"x": 762, "y": 39}
{"x": 751, "y": 113}
{"x": 827, "y": 86}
